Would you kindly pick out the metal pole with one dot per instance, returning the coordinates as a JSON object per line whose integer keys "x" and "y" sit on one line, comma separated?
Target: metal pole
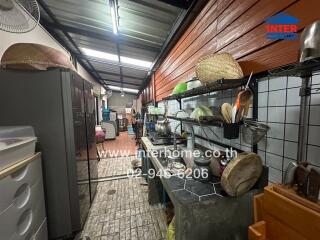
{"x": 304, "y": 119}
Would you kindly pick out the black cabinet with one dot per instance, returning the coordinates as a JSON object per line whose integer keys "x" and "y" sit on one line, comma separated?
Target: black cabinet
{"x": 59, "y": 104}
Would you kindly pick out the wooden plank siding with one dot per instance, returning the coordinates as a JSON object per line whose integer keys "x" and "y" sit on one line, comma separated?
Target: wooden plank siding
{"x": 237, "y": 27}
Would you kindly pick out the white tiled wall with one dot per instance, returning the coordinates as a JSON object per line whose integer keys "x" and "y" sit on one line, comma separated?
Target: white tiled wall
{"x": 278, "y": 107}
{"x": 313, "y": 147}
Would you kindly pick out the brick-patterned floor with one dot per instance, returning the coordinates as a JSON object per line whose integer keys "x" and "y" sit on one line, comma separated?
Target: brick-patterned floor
{"x": 124, "y": 142}
{"x": 121, "y": 211}
{"x": 114, "y": 166}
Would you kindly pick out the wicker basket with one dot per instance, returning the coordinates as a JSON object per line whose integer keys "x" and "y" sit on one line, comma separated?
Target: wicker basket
{"x": 218, "y": 66}
{"x": 31, "y": 56}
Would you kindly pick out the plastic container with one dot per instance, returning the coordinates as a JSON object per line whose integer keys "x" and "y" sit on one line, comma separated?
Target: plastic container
{"x": 231, "y": 130}
{"x": 106, "y": 114}
{"x": 13, "y": 150}
{"x": 16, "y": 131}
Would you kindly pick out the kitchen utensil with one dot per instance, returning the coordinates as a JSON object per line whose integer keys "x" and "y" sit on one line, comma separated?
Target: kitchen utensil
{"x": 246, "y": 110}
{"x": 201, "y": 170}
{"x": 289, "y": 173}
{"x": 215, "y": 167}
{"x": 193, "y": 83}
{"x": 181, "y": 114}
{"x": 200, "y": 112}
{"x": 226, "y": 111}
{"x": 253, "y": 132}
{"x": 218, "y": 66}
{"x": 163, "y": 127}
{"x": 246, "y": 105}
{"x": 310, "y": 42}
{"x": 248, "y": 82}
{"x": 234, "y": 113}
{"x": 179, "y": 88}
{"x": 301, "y": 179}
{"x": 313, "y": 186}
{"x": 243, "y": 99}
{"x": 241, "y": 173}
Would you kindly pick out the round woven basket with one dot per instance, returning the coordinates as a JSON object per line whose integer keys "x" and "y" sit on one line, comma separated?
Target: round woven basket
{"x": 31, "y": 56}
{"x": 218, "y": 66}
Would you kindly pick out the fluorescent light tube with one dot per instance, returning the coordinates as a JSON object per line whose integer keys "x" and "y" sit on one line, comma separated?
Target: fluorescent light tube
{"x": 136, "y": 62}
{"x": 114, "y": 57}
{"x": 129, "y": 90}
{"x": 99, "y": 54}
{"x": 114, "y": 20}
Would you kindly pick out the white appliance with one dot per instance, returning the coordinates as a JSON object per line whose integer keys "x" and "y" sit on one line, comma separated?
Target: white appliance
{"x": 22, "y": 204}
{"x": 110, "y": 128}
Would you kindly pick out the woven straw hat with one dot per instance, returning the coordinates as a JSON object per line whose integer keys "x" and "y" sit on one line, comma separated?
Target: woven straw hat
{"x": 218, "y": 66}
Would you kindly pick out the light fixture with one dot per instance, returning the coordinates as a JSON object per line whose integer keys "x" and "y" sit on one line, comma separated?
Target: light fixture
{"x": 114, "y": 16}
{"x": 128, "y": 90}
{"x": 114, "y": 57}
{"x": 122, "y": 92}
{"x": 99, "y": 54}
{"x": 136, "y": 62}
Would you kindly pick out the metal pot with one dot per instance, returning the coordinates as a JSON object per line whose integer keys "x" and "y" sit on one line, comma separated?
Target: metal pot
{"x": 310, "y": 42}
{"x": 201, "y": 170}
{"x": 163, "y": 127}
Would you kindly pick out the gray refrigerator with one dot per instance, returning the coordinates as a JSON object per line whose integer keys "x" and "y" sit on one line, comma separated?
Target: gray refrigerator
{"x": 59, "y": 104}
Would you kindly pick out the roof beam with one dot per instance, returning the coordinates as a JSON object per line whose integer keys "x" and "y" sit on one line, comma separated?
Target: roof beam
{"x": 125, "y": 83}
{"x": 178, "y": 3}
{"x": 99, "y": 36}
{"x": 116, "y": 75}
{"x": 91, "y": 71}
{"x": 179, "y": 27}
{"x": 110, "y": 63}
{"x": 112, "y": 81}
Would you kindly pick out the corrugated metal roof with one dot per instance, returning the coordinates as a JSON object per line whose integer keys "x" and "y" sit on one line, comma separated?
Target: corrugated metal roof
{"x": 143, "y": 28}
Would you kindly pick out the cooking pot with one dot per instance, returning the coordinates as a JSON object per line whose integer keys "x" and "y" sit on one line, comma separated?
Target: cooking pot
{"x": 163, "y": 127}
{"x": 310, "y": 42}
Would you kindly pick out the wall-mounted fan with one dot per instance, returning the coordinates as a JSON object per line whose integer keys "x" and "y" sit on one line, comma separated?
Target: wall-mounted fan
{"x": 19, "y": 16}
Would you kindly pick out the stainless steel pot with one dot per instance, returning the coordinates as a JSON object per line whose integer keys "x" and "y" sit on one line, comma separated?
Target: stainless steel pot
{"x": 310, "y": 42}
{"x": 163, "y": 127}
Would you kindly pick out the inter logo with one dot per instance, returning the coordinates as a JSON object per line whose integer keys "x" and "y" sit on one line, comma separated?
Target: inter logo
{"x": 282, "y": 26}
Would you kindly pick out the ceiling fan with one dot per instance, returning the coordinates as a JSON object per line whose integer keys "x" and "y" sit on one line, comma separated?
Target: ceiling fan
{"x": 19, "y": 16}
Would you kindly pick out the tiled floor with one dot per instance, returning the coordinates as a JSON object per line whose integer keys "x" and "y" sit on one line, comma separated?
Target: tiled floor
{"x": 124, "y": 142}
{"x": 114, "y": 166}
{"x": 121, "y": 210}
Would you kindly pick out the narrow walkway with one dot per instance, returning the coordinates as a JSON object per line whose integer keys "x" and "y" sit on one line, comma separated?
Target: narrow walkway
{"x": 124, "y": 143}
{"x": 111, "y": 167}
{"x": 121, "y": 210}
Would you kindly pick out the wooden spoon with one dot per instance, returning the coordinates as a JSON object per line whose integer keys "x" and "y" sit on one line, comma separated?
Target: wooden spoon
{"x": 244, "y": 99}
{"x": 226, "y": 111}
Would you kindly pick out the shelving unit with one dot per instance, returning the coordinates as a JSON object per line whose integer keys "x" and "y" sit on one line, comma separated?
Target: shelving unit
{"x": 303, "y": 70}
{"x": 219, "y": 85}
{"x": 197, "y": 123}
{"x": 298, "y": 69}
{"x": 215, "y": 86}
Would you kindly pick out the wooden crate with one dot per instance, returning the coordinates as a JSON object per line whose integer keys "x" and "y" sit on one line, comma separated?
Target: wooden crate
{"x": 278, "y": 217}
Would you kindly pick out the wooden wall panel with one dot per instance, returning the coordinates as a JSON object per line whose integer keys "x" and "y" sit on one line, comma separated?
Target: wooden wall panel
{"x": 199, "y": 18}
{"x": 237, "y": 27}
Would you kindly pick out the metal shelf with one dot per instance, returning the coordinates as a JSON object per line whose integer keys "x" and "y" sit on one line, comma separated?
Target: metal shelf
{"x": 196, "y": 122}
{"x": 297, "y": 69}
{"x": 222, "y": 84}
